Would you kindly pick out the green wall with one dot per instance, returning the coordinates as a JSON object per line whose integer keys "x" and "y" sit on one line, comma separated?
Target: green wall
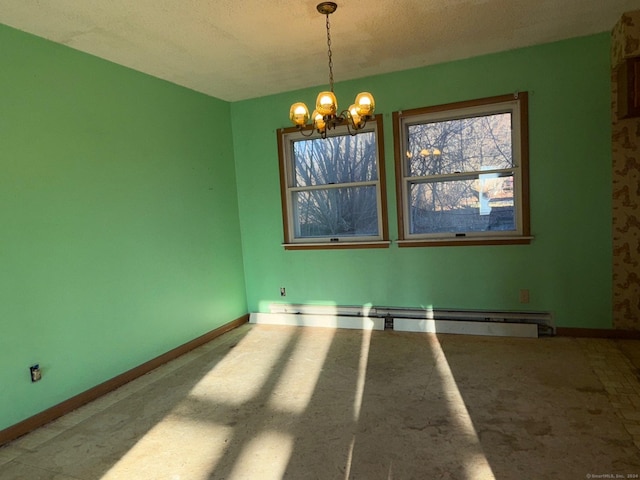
{"x": 119, "y": 227}
{"x": 567, "y": 267}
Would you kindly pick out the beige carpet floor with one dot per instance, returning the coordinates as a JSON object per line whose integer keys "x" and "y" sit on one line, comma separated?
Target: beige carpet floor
{"x": 270, "y": 402}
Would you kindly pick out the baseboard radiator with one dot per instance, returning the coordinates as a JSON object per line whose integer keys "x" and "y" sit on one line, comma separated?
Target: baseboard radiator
{"x": 429, "y": 320}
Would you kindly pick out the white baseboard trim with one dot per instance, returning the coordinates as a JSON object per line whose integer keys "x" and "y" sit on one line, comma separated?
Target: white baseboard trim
{"x": 493, "y": 329}
{"x": 310, "y": 320}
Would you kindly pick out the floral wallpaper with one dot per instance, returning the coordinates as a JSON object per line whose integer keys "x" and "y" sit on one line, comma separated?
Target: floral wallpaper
{"x": 626, "y": 186}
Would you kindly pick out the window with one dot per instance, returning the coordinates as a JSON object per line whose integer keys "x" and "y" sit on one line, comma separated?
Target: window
{"x": 462, "y": 173}
{"x": 333, "y": 191}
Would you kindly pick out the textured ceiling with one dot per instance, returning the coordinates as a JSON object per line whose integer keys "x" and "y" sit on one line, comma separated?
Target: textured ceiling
{"x": 238, "y": 49}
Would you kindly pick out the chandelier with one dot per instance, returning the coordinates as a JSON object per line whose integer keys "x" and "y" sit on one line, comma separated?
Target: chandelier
{"x": 326, "y": 116}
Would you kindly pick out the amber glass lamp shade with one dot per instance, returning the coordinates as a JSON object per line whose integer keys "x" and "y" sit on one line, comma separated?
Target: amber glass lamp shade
{"x": 365, "y": 103}
{"x": 318, "y": 121}
{"x": 326, "y": 104}
{"x": 299, "y": 114}
{"x": 356, "y": 119}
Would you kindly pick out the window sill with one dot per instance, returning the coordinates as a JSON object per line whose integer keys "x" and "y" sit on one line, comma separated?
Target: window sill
{"x": 336, "y": 245}
{"x": 468, "y": 241}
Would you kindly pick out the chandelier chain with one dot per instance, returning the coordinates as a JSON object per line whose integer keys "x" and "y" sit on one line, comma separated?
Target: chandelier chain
{"x": 329, "y": 54}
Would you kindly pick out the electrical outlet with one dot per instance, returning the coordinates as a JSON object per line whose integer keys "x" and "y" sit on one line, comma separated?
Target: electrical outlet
{"x": 36, "y": 373}
{"x": 283, "y": 292}
{"x": 524, "y": 295}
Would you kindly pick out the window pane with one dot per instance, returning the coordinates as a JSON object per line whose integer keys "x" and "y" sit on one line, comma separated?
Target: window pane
{"x": 484, "y": 203}
{"x": 461, "y": 145}
{"x": 336, "y": 212}
{"x": 341, "y": 159}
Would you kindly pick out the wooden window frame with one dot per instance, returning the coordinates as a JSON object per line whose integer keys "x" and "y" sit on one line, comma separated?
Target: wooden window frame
{"x": 521, "y": 236}
{"x": 290, "y": 242}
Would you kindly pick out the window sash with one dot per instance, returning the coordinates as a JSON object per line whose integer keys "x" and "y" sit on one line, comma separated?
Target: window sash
{"x": 432, "y": 144}
{"x": 339, "y": 229}
{"x": 481, "y": 218}
{"x": 316, "y": 168}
